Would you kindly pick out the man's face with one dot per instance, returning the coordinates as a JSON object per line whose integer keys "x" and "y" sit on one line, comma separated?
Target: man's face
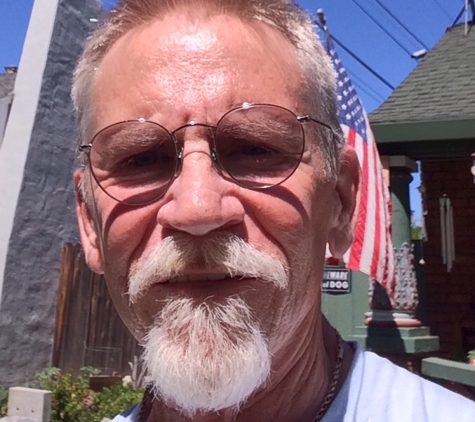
{"x": 173, "y": 71}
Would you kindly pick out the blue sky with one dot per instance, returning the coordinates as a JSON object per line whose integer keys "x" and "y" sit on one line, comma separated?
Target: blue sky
{"x": 427, "y": 20}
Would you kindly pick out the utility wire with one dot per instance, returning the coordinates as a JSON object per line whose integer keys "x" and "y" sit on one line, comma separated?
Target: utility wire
{"x": 443, "y": 10}
{"x": 472, "y": 8}
{"x": 354, "y": 56}
{"x": 393, "y": 27}
{"x": 401, "y": 24}
{"x": 376, "y": 96}
{"x": 459, "y": 16}
{"x": 361, "y": 88}
{"x": 382, "y": 28}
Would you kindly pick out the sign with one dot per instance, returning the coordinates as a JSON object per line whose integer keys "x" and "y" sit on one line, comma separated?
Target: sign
{"x": 336, "y": 280}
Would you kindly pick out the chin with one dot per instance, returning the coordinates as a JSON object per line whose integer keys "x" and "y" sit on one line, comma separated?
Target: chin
{"x": 203, "y": 358}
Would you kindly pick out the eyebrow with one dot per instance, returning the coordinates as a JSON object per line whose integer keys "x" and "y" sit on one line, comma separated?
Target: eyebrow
{"x": 242, "y": 131}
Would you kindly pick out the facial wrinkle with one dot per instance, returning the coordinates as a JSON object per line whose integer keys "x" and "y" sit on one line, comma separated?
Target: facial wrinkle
{"x": 200, "y": 65}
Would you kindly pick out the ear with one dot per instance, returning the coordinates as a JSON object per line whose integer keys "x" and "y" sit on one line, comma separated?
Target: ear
{"x": 340, "y": 234}
{"x": 87, "y": 226}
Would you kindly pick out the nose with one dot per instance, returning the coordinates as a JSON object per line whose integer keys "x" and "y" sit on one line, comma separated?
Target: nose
{"x": 200, "y": 200}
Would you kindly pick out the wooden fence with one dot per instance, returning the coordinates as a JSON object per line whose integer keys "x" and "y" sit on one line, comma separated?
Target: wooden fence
{"x": 89, "y": 332}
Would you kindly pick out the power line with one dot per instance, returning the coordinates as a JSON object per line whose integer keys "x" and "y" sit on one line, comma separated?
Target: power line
{"x": 443, "y": 10}
{"x": 354, "y": 56}
{"x": 393, "y": 27}
{"x": 459, "y": 15}
{"x": 464, "y": 9}
{"x": 376, "y": 96}
{"x": 401, "y": 24}
{"x": 382, "y": 28}
{"x": 363, "y": 89}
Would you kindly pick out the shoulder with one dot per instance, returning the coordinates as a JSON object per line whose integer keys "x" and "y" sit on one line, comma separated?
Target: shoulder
{"x": 398, "y": 394}
{"x": 128, "y": 415}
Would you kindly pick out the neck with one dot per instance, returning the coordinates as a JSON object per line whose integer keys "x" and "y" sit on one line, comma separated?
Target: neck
{"x": 302, "y": 372}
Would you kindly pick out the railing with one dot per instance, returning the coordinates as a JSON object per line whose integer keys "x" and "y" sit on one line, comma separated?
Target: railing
{"x": 444, "y": 369}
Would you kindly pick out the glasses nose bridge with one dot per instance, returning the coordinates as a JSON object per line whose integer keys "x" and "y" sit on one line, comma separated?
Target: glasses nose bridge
{"x": 179, "y": 142}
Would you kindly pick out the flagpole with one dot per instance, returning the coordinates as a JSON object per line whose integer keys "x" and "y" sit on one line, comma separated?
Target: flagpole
{"x": 322, "y": 23}
{"x": 322, "y": 20}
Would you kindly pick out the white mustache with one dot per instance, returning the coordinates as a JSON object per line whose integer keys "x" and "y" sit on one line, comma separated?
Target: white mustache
{"x": 220, "y": 252}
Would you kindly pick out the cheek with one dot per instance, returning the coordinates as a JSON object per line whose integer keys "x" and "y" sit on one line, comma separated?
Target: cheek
{"x": 295, "y": 222}
{"x": 295, "y": 219}
{"x": 284, "y": 225}
{"x": 126, "y": 232}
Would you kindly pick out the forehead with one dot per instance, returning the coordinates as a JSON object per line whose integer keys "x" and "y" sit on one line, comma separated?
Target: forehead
{"x": 195, "y": 69}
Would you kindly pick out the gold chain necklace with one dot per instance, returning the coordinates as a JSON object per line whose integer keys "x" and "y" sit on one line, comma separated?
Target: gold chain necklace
{"x": 336, "y": 376}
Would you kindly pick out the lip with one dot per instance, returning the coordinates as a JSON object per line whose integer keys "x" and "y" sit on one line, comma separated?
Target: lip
{"x": 201, "y": 277}
{"x": 207, "y": 282}
{"x": 198, "y": 276}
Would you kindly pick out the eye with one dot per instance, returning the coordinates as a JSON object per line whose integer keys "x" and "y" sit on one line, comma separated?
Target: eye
{"x": 248, "y": 149}
{"x": 243, "y": 156}
{"x": 253, "y": 150}
{"x": 143, "y": 159}
{"x": 154, "y": 164}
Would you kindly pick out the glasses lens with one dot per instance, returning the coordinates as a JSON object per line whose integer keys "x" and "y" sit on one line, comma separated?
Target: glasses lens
{"x": 133, "y": 162}
{"x": 260, "y": 145}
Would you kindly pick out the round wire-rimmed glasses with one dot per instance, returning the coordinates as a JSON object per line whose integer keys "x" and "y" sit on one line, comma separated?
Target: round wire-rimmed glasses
{"x": 258, "y": 146}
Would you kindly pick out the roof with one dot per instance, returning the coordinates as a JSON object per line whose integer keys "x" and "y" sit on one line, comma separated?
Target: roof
{"x": 440, "y": 88}
{"x": 7, "y": 83}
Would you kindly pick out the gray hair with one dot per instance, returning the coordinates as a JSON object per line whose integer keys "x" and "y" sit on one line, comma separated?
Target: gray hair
{"x": 317, "y": 79}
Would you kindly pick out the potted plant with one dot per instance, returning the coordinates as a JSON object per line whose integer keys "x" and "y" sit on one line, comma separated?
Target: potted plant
{"x": 471, "y": 357}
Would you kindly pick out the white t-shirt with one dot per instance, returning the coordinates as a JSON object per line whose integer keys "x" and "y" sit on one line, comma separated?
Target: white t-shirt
{"x": 376, "y": 390}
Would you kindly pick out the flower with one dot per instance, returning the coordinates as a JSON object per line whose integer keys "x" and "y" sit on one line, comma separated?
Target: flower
{"x": 87, "y": 401}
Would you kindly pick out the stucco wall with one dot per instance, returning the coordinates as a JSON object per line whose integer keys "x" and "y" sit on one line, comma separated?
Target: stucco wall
{"x": 44, "y": 216}
{"x": 5, "y": 103}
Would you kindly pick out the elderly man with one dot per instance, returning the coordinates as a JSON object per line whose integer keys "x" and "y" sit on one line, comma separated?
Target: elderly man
{"x": 214, "y": 177}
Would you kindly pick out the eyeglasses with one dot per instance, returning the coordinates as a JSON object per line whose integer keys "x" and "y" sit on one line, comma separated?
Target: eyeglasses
{"x": 256, "y": 145}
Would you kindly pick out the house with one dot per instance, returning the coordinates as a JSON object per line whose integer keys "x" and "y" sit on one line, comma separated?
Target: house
{"x": 430, "y": 118}
{"x": 7, "y": 82}
{"x": 37, "y": 156}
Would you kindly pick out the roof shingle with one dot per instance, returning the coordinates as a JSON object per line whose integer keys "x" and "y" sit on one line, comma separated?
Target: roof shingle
{"x": 440, "y": 88}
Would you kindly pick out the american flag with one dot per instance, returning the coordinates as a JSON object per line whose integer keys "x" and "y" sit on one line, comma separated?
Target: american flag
{"x": 372, "y": 250}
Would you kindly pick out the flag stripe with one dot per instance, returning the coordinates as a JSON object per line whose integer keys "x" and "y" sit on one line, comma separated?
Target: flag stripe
{"x": 356, "y": 250}
{"x": 375, "y": 268}
{"x": 371, "y": 251}
{"x": 369, "y": 209}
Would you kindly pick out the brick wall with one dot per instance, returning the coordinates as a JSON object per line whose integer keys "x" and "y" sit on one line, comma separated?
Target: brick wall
{"x": 450, "y": 296}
